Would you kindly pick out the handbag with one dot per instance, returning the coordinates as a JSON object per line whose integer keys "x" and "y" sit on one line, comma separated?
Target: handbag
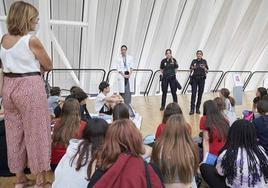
{"x": 191, "y": 80}
{"x": 147, "y": 174}
{"x": 178, "y": 85}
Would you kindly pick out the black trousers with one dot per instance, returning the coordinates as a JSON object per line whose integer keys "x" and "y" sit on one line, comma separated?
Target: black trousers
{"x": 173, "y": 87}
{"x": 198, "y": 84}
{"x": 211, "y": 176}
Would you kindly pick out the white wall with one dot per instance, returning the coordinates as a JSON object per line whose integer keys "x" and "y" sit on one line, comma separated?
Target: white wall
{"x": 232, "y": 33}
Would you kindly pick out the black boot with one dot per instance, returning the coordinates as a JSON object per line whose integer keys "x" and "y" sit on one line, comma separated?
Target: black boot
{"x": 191, "y": 112}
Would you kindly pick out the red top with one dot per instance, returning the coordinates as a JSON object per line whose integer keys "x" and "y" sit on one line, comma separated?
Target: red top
{"x": 161, "y": 127}
{"x": 128, "y": 171}
{"x": 59, "y": 150}
{"x": 216, "y": 145}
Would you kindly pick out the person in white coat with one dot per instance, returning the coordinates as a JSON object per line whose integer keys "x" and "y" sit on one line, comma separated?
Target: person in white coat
{"x": 124, "y": 66}
{"x": 72, "y": 170}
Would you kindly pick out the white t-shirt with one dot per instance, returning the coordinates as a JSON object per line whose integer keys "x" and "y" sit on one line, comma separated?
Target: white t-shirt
{"x": 100, "y": 100}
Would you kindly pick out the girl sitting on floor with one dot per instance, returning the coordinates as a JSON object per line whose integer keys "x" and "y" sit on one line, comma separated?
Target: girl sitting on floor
{"x": 73, "y": 167}
{"x": 67, "y": 127}
{"x": 243, "y": 162}
{"x": 171, "y": 109}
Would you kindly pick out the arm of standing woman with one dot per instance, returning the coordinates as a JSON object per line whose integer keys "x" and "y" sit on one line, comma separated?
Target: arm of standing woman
{"x": 176, "y": 65}
{"x": 40, "y": 53}
{"x": 162, "y": 66}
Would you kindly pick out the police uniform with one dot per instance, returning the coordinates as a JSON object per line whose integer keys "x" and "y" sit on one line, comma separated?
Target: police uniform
{"x": 198, "y": 82}
{"x": 168, "y": 66}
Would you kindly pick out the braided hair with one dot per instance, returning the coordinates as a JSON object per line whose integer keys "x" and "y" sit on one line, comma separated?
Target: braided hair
{"x": 242, "y": 134}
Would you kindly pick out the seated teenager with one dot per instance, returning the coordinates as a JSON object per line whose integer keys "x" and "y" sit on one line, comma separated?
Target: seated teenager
{"x": 105, "y": 100}
{"x": 242, "y": 162}
{"x": 72, "y": 169}
{"x": 171, "y": 109}
{"x": 120, "y": 111}
{"x": 119, "y": 163}
{"x": 175, "y": 153}
{"x": 231, "y": 117}
{"x": 214, "y": 127}
{"x": 75, "y": 89}
{"x": 67, "y": 127}
{"x": 229, "y": 103}
{"x": 53, "y": 100}
{"x": 261, "y": 124}
{"x": 81, "y": 96}
{"x": 261, "y": 92}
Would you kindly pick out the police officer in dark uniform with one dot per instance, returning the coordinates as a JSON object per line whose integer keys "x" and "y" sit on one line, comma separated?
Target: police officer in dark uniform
{"x": 199, "y": 69}
{"x": 168, "y": 69}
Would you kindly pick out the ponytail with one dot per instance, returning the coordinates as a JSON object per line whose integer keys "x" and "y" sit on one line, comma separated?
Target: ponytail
{"x": 232, "y": 101}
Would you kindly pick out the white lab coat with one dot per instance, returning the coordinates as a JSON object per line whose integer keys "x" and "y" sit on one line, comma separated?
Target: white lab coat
{"x": 121, "y": 68}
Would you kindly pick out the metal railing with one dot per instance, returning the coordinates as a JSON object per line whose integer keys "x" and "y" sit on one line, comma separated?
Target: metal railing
{"x": 224, "y": 75}
{"x": 209, "y": 71}
{"x": 77, "y": 75}
{"x": 147, "y": 91}
{"x": 250, "y": 77}
{"x": 150, "y": 71}
{"x": 153, "y": 75}
{"x": 79, "y": 71}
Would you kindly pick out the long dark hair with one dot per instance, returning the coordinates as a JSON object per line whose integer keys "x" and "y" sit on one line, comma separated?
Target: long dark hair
{"x": 215, "y": 121}
{"x": 69, "y": 122}
{"x": 93, "y": 135}
{"x": 242, "y": 134}
{"x": 262, "y": 91}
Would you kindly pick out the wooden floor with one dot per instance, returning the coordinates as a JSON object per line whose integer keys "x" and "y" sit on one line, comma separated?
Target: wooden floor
{"x": 148, "y": 108}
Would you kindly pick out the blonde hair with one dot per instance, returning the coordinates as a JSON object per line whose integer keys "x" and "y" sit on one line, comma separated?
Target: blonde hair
{"x": 20, "y": 18}
{"x": 175, "y": 153}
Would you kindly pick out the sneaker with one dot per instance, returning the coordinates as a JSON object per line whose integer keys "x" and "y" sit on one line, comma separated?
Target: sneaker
{"x": 162, "y": 108}
{"x": 191, "y": 112}
{"x": 198, "y": 111}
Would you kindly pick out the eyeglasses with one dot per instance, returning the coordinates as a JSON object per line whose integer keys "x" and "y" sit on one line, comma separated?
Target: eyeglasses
{"x": 35, "y": 20}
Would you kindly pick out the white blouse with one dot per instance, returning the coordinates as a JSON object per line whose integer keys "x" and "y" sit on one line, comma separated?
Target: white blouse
{"x": 19, "y": 58}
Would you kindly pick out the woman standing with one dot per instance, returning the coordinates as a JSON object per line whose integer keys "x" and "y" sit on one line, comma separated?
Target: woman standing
{"x": 25, "y": 102}
{"x": 168, "y": 68}
{"x": 199, "y": 70}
